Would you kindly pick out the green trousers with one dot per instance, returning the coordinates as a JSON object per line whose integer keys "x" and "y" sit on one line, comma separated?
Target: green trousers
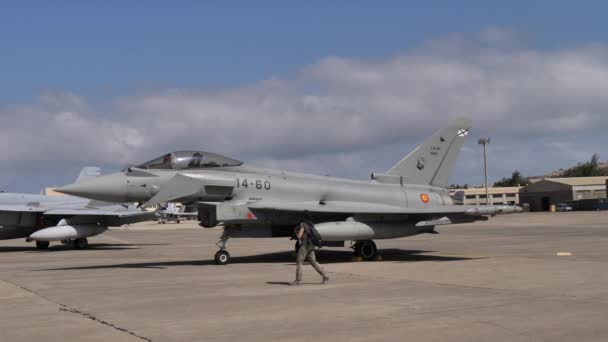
{"x": 307, "y": 251}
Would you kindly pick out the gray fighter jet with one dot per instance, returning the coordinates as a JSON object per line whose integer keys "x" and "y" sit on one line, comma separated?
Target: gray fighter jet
{"x": 408, "y": 199}
{"x": 170, "y": 212}
{"x": 68, "y": 219}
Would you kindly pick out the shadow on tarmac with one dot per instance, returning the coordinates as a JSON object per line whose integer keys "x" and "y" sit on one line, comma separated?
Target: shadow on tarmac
{"x": 323, "y": 256}
{"x": 284, "y": 283}
{"x": 61, "y": 247}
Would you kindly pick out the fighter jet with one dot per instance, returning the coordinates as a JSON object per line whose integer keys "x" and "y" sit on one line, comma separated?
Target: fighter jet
{"x": 170, "y": 212}
{"x": 409, "y": 199}
{"x": 69, "y": 219}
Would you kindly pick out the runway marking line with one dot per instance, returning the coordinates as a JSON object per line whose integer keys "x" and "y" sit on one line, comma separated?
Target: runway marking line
{"x": 564, "y": 254}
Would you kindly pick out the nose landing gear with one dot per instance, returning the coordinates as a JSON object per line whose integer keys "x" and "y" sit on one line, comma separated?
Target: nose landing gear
{"x": 222, "y": 257}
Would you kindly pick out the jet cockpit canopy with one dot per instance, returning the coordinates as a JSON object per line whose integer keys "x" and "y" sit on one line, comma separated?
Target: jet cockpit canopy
{"x": 181, "y": 160}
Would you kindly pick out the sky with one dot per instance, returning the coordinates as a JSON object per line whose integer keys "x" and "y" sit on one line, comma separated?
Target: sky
{"x": 341, "y": 88}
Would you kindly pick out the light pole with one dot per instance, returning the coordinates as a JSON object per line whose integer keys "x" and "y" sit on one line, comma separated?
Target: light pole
{"x": 484, "y": 142}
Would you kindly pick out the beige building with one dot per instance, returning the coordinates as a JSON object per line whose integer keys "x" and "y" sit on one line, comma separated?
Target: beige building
{"x": 477, "y": 196}
{"x": 550, "y": 191}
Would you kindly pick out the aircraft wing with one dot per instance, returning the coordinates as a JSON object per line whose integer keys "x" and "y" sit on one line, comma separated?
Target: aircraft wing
{"x": 102, "y": 216}
{"x": 354, "y": 208}
{"x": 69, "y": 212}
{"x": 12, "y": 214}
{"x": 21, "y": 209}
{"x": 93, "y": 212}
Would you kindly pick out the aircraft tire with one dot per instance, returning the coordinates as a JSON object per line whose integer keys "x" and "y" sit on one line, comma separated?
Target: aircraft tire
{"x": 177, "y": 221}
{"x": 366, "y": 249}
{"x": 81, "y": 243}
{"x": 222, "y": 258}
{"x": 42, "y": 245}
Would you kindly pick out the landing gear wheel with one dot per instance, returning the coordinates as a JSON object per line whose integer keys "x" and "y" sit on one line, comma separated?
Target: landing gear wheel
{"x": 366, "y": 249}
{"x": 81, "y": 243}
{"x": 42, "y": 244}
{"x": 177, "y": 221}
{"x": 222, "y": 258}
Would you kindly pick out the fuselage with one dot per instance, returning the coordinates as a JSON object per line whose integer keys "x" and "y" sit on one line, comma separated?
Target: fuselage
{"x": 244, "y": 184}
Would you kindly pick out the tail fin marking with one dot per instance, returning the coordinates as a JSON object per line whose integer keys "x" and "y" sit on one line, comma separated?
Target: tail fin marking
{"x": 431, "y": 162}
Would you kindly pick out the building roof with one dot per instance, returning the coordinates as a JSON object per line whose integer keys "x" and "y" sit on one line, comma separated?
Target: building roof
{"x": 491, "y": 190}
{"x": 579, "y": 181}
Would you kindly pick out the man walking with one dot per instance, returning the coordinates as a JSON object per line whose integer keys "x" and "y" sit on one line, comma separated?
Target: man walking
{"x": 304, "y": 234}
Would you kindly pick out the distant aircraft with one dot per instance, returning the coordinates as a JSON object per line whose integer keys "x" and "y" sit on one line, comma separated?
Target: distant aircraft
{"x": 68, "y": 219}
{"x": 408, "y": 199}
{"x": 171, "y": 212}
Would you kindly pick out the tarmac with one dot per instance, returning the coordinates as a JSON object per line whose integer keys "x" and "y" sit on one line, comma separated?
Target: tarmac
{"x": 522, "y": 277}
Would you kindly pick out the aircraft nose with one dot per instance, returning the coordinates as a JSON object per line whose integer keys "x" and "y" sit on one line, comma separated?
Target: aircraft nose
{"x": 110, "y": 188}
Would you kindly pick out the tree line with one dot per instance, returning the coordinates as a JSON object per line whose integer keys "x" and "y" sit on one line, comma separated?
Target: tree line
{"x": 591, "y": 168}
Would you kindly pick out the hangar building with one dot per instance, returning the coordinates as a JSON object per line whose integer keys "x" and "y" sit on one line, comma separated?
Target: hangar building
{"x": 549, "y": 191}
{"x": 477, "y": 196}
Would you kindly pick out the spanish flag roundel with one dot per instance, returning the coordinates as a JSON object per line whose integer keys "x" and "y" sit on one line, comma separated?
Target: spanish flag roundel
{"x": 424, "y": 198}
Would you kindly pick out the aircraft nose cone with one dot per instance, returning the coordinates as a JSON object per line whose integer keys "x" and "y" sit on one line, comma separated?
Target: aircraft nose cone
{"x": 110, "y": 188}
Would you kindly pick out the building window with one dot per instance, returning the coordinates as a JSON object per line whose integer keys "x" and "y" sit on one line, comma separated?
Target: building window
{"x": 482, "y": 196}
{"x": 470, "y": 197}
{"x": 497, "y": 196}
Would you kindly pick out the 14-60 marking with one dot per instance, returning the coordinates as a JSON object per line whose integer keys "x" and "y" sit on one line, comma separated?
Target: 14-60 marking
{"x": 243, "y": 183}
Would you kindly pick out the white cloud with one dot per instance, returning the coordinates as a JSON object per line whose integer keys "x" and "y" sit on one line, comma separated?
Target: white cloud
{"x": 337, "y": 109}
{"x": 62, "y": 129}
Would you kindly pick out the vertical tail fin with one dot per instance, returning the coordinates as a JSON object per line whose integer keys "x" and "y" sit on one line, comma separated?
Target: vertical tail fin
{"x": 431, "y": 162}
{"x": 88, "y": 172}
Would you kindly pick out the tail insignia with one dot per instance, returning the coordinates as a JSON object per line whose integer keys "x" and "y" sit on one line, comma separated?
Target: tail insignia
{"x": 463, "y": 132}
{"x": 420, "y": 164}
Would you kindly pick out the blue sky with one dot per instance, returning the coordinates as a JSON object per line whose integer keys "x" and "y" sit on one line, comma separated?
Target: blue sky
{"x": 101, "y": 49}
{"x": 105, "y": 62}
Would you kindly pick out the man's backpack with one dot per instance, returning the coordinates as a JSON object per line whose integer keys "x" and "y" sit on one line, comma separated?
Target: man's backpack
{"x": 312, "y": 234}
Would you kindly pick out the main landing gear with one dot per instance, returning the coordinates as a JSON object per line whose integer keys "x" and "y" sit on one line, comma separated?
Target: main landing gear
{"x": 222, "y": 257}
{"x": 42, "y": 244}
{"x": 81, "y": 243}
{"x": 366, "y": 249}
